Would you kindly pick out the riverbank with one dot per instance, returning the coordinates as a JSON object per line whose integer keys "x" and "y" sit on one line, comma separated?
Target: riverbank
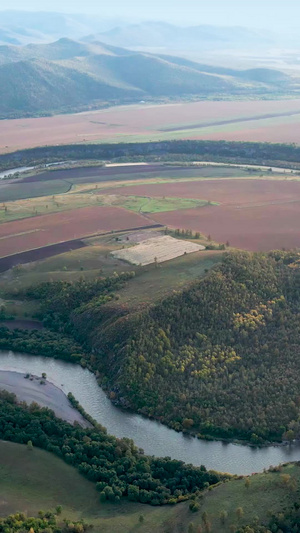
{"x": 36, "y": 389}
{"x": 153, "y": 437}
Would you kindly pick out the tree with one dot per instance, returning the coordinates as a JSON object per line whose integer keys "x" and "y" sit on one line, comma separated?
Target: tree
{"x": 247, "y": 483}
{"x": 133, "y": 493}
{"x": 289, "y": 435}
{"x": 58, "y": 510}
{"x": 239, "y": 512}
{"x": 102, "y": 497}
{"x": 223, "y": 516}
{"x": 29, "y": 445}
{"x": 187, "y": 423}
{"x": 204, "y": 517}
{"x": 141, "y": 519}
{"x": 285, "y": 479}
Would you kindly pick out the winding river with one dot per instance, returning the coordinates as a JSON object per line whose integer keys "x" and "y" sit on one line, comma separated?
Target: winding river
{"x": 152, "y": 436}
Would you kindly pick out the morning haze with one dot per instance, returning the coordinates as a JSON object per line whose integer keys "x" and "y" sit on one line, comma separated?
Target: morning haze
{"x": 271, "y": 14}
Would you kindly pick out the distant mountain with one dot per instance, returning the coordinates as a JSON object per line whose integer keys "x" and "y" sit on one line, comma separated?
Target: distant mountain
{"x": 160, "y": 35}
{"x": 67, "y": 75}
{"x": 23, "y": 27}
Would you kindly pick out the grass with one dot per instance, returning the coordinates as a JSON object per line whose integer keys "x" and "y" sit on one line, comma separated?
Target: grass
{"x": 37, "y": 480}
{"x": 145, "y": 204}
{"x": 149, "y": 284}
{"x": 152, "y": 283}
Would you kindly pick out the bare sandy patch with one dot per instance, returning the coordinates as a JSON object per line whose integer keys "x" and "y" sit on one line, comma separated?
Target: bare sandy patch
{"x": 157, "y": 250}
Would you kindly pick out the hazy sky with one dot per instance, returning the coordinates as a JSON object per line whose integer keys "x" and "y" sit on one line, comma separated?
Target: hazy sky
{"x": 256, "y": 13}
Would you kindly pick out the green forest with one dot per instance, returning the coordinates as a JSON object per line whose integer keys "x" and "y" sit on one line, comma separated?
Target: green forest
{"x": 218, "y": 359}
{"x": 116, "y": 466}
{"x": 185, "y": 151}
{"x": 45, "y": 523}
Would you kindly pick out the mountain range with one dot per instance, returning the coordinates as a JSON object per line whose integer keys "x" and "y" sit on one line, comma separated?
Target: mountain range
{"x": 155, "y": 36}
{"x": 24, "y": 27}
{"x": 67, "y": 75}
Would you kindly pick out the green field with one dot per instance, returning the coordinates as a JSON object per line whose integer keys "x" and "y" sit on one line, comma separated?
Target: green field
{"x": 10, "y": 193}
{"x": 37, "y": 480}
{"x": 145, "y": 204}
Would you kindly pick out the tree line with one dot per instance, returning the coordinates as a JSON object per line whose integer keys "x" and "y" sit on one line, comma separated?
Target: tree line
{"x": 116, "y": 466}
{"x": 265, "y": 154}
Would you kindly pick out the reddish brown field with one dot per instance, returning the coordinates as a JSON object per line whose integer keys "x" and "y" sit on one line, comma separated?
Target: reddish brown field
{"x": 251, "y": 228}
{"x": 256, "y": 215}
{"x": 280, "y": 133}
{"x": 31, "y": 233}
{"x": 236, "y": 192}
{"x": 152, "y": 121}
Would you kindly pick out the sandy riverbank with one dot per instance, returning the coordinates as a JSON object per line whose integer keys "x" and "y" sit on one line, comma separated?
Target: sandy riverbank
{"x": 47, "y": 395}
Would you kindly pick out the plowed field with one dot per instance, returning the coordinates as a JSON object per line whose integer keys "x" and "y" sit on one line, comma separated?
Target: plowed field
{"x": 31, "y": 233}
{"x": 260, "y": 228}
{"x": 273, "y": 121}
{"x": 254, "y": 214}
{"x": 228, "y": 192}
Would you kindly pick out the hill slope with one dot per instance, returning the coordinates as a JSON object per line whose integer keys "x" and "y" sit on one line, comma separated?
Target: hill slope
{"x": 217, "y": 358}
{"x": 68, "y": 75}
{"x": 34, "y": 480}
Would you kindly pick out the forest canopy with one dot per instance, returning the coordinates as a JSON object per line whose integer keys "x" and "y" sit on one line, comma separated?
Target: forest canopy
{"x": 219, "y": 359}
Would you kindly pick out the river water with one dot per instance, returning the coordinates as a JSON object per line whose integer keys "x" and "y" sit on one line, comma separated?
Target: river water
{"x": 21, "y": 170}
{"x": 12, "y": 171}
{"x": 152, "y": 436}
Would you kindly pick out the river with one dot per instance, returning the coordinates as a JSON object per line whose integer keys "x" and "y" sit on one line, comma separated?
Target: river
{"x": 152, "y": 436}
{"x": 22, "y": 170}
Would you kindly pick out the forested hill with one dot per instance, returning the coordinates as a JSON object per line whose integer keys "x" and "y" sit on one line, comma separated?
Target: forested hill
{"x": 220, "y": 358}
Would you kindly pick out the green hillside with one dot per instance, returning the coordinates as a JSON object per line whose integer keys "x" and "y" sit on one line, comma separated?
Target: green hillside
{"x": 32, "y": 480}
{"x": 215, "y": 359}
{"x": 67, "y": 75}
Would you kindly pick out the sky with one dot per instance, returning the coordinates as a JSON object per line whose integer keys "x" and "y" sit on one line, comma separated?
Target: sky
{"x": 272, "y": 14}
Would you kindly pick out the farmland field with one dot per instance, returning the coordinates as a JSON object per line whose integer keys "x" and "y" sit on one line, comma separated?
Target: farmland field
{"x": 254, "y": 214}
{"x": 61, "y": 181}
{"x": 229, "y": 192}
{"x": 250, "y": 210}
{"x": 260, "y": 228}
{"x": 252, "y": 120}
{"x": 37, "y": 232}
